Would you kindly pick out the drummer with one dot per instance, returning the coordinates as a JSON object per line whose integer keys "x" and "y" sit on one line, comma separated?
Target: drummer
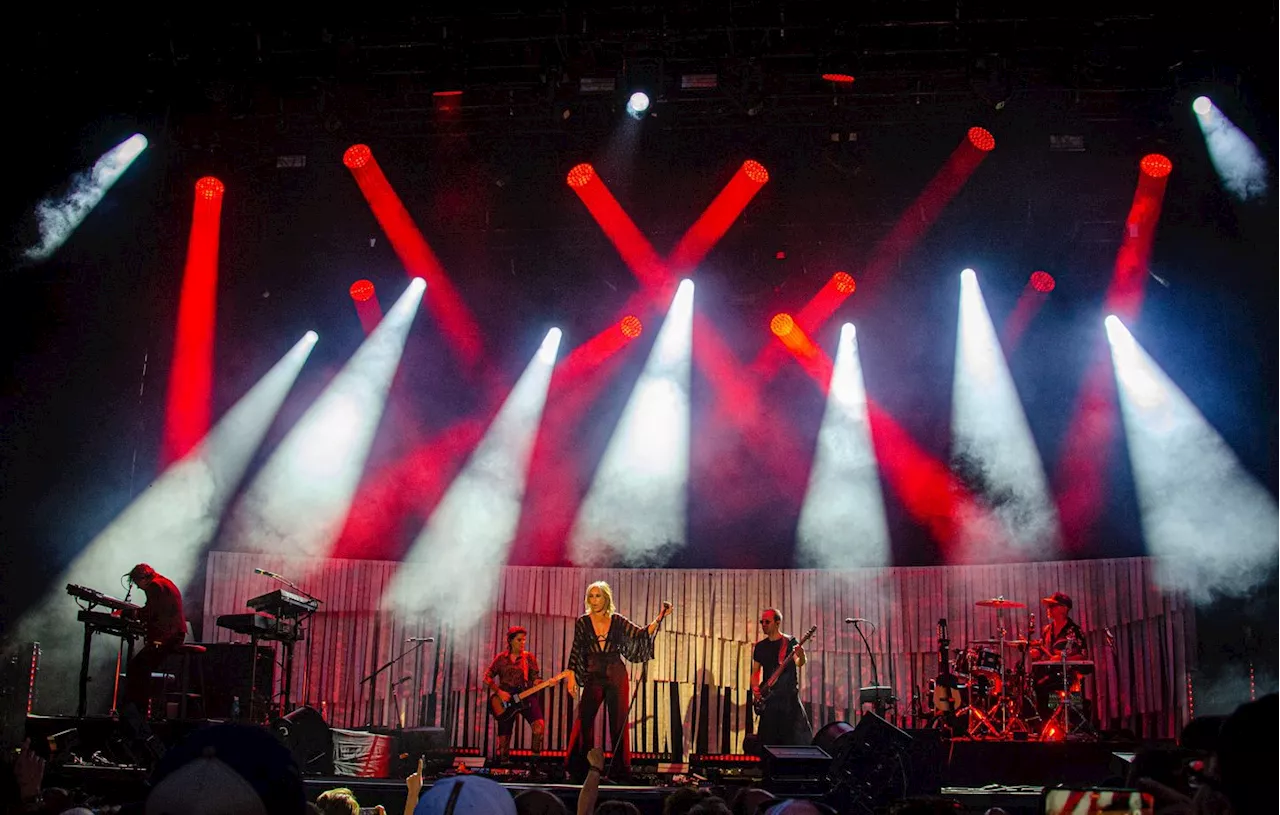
{"x": 1061, "y": 636}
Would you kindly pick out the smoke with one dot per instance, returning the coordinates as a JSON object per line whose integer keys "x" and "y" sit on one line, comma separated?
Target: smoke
{"x": 1241, "y": 167}
{"x": 1214, "y": 529}
{"x": 1231, "y": 687}
{"x": 59, "y": 217}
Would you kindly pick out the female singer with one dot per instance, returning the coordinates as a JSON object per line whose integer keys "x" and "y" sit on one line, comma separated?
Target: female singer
{"x": 602, "y": 638}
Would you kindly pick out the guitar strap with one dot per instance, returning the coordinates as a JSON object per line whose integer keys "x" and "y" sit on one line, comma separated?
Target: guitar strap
{"x": 524, "y": 664}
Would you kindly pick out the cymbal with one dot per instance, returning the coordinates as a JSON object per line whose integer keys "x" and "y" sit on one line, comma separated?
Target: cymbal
{"x": 1015, "y": 642}
{"x": 1000, "y": 602}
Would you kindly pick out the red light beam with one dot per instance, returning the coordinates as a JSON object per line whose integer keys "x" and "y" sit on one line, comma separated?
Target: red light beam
{"x": 190, "y": 399}
{"x": 442, "y": 298}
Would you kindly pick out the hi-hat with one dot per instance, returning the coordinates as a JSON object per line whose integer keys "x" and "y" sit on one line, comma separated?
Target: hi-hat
{"x": 1000, "y": 602}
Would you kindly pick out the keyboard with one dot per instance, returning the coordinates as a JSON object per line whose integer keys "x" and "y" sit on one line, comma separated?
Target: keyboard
{"x": 96, "y": 598}
{"x": 261, "y": 626}
{"x": 284, "y": 603}
{"x": 107, "y": 623}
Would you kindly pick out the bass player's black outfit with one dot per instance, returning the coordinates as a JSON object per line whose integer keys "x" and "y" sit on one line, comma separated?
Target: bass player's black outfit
{"x": 598, "y": 669}
{"x": 784, "y": 720}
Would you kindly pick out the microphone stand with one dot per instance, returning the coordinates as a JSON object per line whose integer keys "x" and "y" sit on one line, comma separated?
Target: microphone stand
{"x": 373, "y": 696}
{"x": 626, "y": 717}
{"x": 877, "y": 702}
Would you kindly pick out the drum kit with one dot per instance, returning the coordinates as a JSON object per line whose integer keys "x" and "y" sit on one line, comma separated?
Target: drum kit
{"x": 994, "y": 690}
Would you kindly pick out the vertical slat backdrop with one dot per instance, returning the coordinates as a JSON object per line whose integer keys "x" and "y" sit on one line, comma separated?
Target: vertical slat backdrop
{"x": 693, "y": 697}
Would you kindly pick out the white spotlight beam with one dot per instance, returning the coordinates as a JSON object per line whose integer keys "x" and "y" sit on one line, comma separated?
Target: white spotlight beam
{"x": 168, "y": 526}
{"x": 1239, "y": 164}
{"x": 842, "y": 520}
{"x": 299, "y": 500}
{"x": 59, "y": 217}
{"x": 635, "y": 510}
{"x": 1210, "y": 524}
{"x": 453, "y": 567}
{"x": 992, "y": 441}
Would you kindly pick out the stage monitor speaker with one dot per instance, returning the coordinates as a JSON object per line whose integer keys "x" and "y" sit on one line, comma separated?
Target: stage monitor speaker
{"x": 869, "y": 764}
{"x": 800, "y": 762}
{"x": 229, "y": 678}
{"x": 308, "y": 737}
{"x": 410, "y": 743}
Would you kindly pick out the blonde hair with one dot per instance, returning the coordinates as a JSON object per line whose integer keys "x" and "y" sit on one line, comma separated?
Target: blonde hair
{"x": 608, "y": 596}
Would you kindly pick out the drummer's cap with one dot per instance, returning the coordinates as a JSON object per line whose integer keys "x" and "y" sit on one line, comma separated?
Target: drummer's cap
{"x": 1057, "y": 599}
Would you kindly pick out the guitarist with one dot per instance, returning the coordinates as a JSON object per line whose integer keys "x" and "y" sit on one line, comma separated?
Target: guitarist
{"x": 512, "y": 671}
{"x": 784, "y": 720}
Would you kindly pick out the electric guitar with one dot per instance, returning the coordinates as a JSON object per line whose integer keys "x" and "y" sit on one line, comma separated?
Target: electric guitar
{"x": 501, "y": 710}
{"x": 946, "y": 694}
{"x": 766, "y": 689}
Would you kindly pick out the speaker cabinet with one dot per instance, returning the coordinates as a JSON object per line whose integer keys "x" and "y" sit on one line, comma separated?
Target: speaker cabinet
{"x": 229, "y": 678}
{"x": 308, "y": 737}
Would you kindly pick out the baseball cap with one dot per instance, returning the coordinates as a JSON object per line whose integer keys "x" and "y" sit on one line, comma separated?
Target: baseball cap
{"x": 227, "y": 769}
{"x": 466, "y": 795}
{"x": 1057, "y": 599}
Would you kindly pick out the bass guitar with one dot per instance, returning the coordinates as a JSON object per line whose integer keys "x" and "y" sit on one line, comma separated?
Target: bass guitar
{"x": 766, "y": 688}
{"x": 501, "y": 710}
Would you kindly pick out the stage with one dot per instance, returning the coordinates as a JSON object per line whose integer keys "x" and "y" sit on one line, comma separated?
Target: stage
{"x": 978, "y": 774}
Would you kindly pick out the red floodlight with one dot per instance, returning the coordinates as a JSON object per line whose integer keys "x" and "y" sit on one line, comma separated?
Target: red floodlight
{"x": 982, "y": 139}
{"x": 1156, "y": 165}
{"x": 357, "y": 155}
{"x": 209, "y": 188}
{"x": 630, "y": 326}
{"x": 581, "y": 175}
{"x": 1042, "y": 282}
{"x": 755, "y": 171}
{"x": 844, "y": 282}
{"x": 361, "y": 290}
{"x": 782, "y": 324}
{"x": 843, "y": 79}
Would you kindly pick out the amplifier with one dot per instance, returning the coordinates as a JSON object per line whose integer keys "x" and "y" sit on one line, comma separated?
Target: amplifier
{"x": 228, "y": 678}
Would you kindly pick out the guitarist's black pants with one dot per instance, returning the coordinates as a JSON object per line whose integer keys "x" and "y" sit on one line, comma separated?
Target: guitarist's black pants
{"x": 784, "y": 720}
{"x": 612, "y": 687}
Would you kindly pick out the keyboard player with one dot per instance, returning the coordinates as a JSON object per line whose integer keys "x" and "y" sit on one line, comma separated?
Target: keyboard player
{"x": 166, "y": 629}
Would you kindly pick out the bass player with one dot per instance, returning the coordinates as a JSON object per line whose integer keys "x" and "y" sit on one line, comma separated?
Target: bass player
{"x": 512, "y": 671}
{"x": 783, "y": 720}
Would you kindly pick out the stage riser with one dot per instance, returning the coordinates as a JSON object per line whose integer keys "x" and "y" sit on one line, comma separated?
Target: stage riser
{"x": 978, "y": 763}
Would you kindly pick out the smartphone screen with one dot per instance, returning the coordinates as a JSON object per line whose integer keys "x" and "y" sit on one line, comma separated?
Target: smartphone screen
{"x": 1092, "y": 800}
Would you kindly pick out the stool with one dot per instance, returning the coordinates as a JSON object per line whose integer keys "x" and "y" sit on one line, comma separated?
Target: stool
{"x": 184, "y": 653}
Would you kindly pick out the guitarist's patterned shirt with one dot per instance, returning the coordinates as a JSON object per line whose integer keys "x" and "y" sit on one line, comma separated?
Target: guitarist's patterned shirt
{"x": 510, "y": 674}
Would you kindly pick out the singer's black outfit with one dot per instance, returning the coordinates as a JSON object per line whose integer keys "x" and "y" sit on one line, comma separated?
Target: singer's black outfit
{"x": 166, "y": 630}
{"x": 784, "y": 720}
{"x": 598, "y": 669}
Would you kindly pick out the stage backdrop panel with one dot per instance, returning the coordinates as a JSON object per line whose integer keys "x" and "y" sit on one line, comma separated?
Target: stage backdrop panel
{"x": 692, "y": 697}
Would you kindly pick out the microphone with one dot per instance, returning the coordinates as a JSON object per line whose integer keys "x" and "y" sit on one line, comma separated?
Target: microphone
{"x": 268, "y": 574}
{"x": 666, "y": 606}
{"x": 855, "y": 620}
{"x": 420, "y": 639}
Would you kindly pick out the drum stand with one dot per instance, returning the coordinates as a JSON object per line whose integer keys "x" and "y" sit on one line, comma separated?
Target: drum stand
{"x": 1069, "y": 720}
{"x": 1004, "y": 718}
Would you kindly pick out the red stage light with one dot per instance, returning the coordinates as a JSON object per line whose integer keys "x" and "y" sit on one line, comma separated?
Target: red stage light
{"x": 361, "y": 290}
{"x": 357, "y": 155}
{"x": 446, "y": 93}
{"x": 209, "y": 188}
{"x": 1156, "y": 165}
{"x": 982, "y": 139}
{"x": 782, "y": 324}
{"x": 755, "y": 171}
{"x": 846, "y": 79}
{"x": 844, "y": 282}
{"x": 630, "y": 326}
{"x": 581, "y": 175}
{"x": 1042, "y": 282}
